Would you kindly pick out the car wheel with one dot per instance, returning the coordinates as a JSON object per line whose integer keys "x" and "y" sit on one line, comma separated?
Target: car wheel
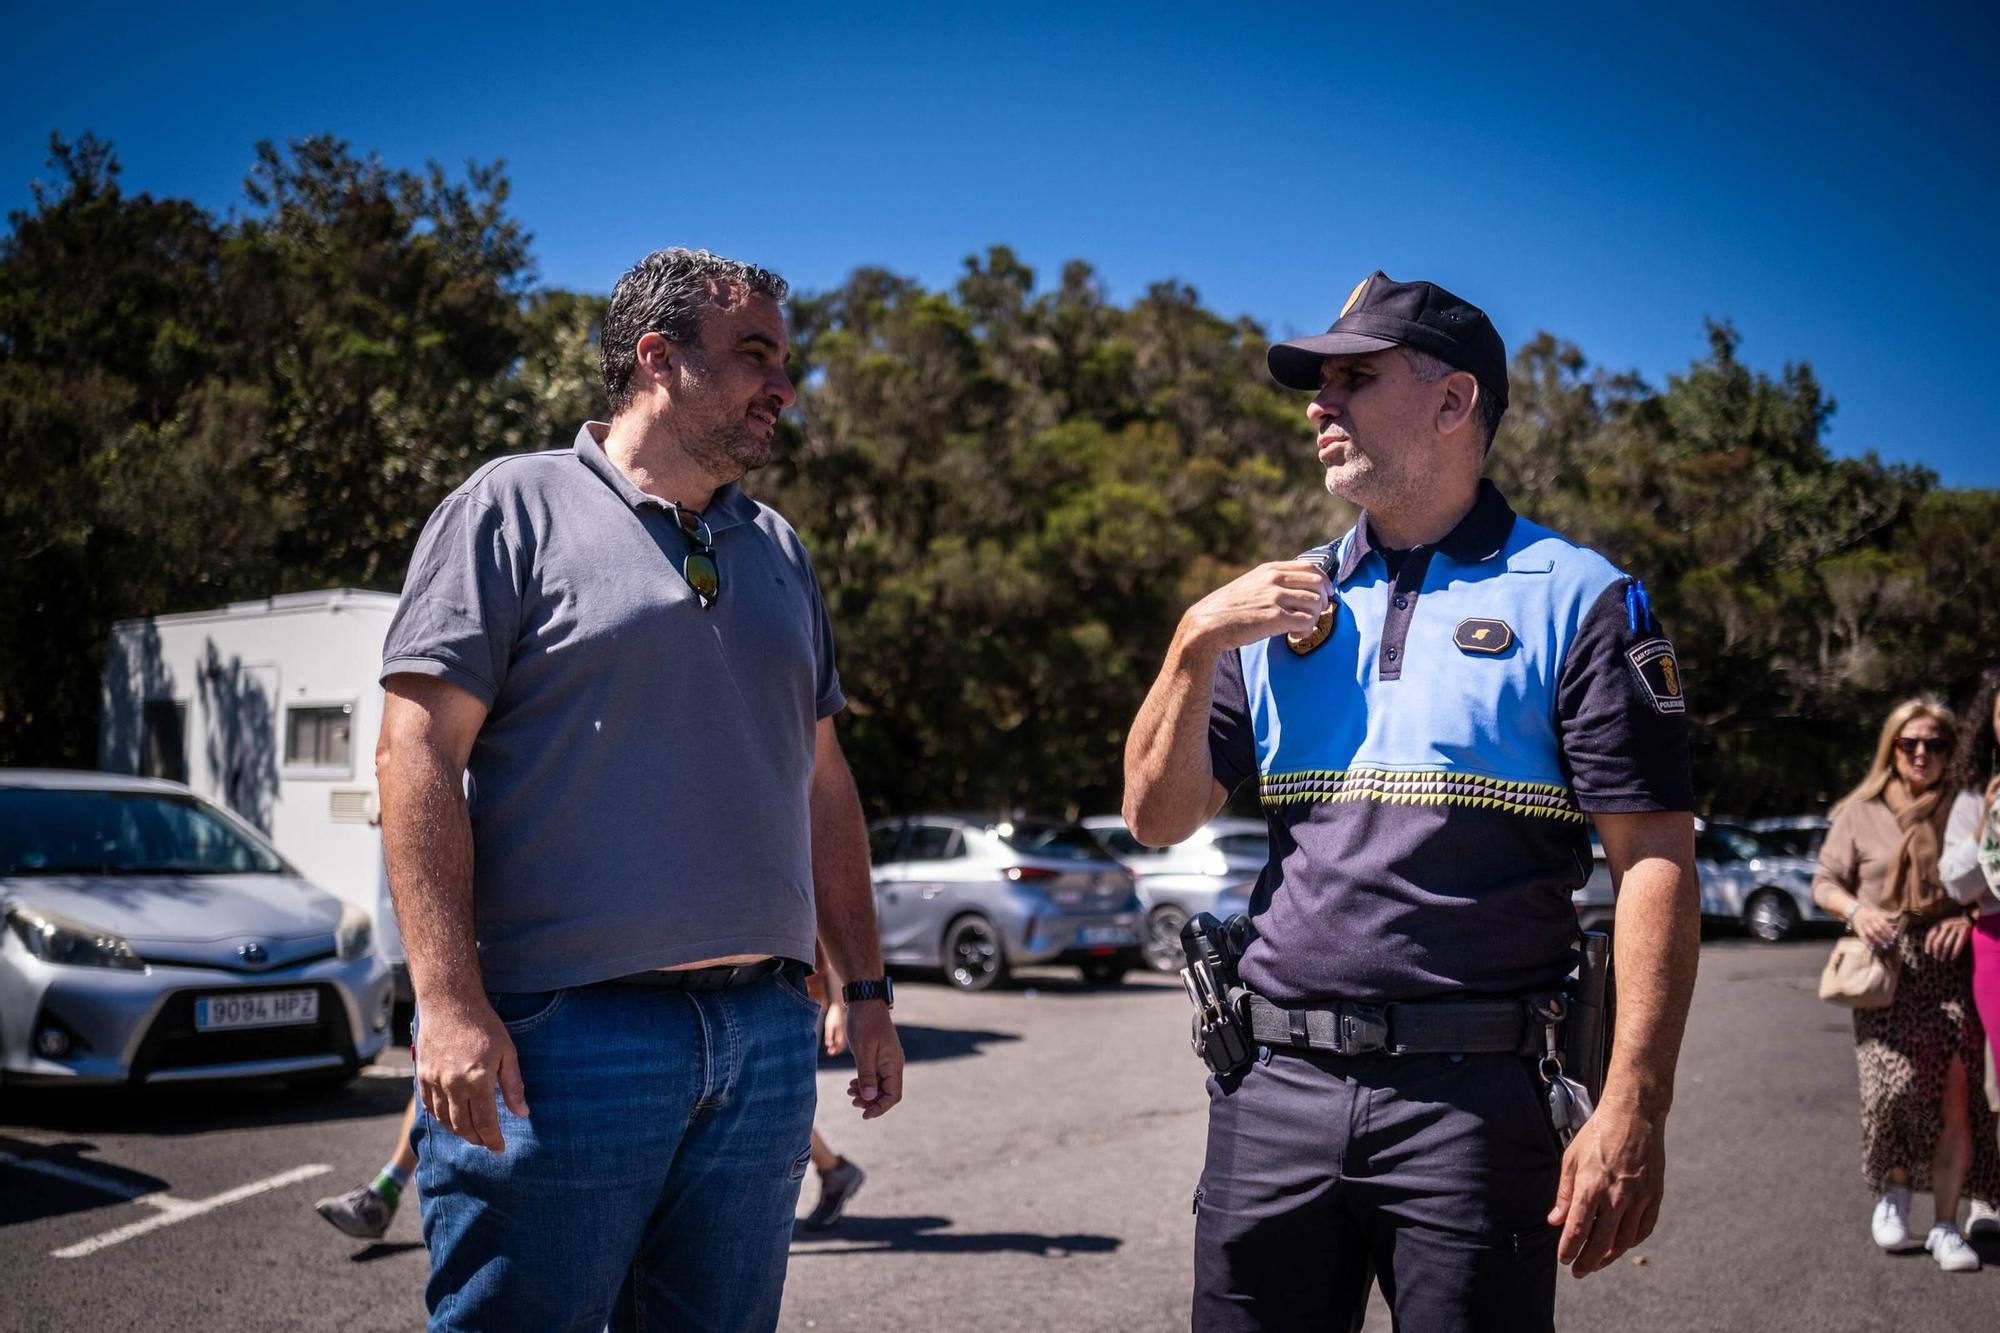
{"x": 1104, "y": 971}
{"x": 1771, "y": 915}
{"x": 973, "y": 956}
{"x": 1163, "y": 938}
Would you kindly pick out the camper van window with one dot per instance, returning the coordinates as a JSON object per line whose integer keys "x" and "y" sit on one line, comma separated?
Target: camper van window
{"x": 163, "y": 743}
{"x": 320, "y": 736}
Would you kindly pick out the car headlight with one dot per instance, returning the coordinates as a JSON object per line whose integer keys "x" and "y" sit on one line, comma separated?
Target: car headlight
{"x": 57, "y": 939}
{"x": 355, "y": 935}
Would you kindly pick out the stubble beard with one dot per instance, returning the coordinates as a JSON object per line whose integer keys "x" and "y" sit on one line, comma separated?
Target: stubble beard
{"x": 724, "y": 448}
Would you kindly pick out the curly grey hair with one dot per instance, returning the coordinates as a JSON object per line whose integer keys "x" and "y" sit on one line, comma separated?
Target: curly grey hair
{"x": 664, "y": 293}
{"x": 1427, "y": 369}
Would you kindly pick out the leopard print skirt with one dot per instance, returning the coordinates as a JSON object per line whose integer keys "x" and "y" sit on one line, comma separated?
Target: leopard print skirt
{"x": 1903, "y": 1052}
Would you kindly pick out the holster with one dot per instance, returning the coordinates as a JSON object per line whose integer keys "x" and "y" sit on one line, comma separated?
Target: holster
{"x": 1586, "y": 1037}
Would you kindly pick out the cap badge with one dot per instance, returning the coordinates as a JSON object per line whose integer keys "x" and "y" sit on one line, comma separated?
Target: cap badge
{"x": 1322, "y": 630}
{"x": 1487, "y": 637}
{"x": 1354, "y": 296}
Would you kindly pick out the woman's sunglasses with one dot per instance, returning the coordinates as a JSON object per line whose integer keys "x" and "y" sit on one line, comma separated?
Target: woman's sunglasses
{"x": 698, "y": 566}
{"x": 1911, "y": 744}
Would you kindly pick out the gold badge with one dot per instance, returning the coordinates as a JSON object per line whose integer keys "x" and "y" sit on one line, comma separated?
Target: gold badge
{"x": 1491, "y": 637}
{"x": 1321, "y": 631}
{"x": 1354, "y": 295}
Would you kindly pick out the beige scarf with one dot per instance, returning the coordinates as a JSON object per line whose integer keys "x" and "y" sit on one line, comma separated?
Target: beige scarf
{"x": 1913, "y": 884}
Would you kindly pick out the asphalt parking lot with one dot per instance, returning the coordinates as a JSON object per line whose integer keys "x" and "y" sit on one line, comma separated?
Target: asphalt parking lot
{"x": 1038, "y": 1177}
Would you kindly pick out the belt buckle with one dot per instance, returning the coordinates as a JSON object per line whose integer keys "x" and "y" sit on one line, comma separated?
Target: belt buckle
{"x": 1362, "y": 1029}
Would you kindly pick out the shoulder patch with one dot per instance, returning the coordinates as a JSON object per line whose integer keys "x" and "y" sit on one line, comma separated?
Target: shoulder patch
{"x": 1487, "y": 637}
{"x": 1659, "y": 671}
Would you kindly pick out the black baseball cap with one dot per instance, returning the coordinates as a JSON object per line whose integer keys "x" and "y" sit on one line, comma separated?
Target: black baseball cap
{"x": 1381, "y": 312}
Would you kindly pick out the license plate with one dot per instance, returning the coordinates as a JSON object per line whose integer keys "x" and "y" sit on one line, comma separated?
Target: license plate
{"x": 260, "y": 1009}
{"x": 1105, "y": 935}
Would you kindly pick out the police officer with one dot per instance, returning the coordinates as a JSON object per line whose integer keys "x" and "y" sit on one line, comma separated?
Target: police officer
{"x": 1430, "y": 705}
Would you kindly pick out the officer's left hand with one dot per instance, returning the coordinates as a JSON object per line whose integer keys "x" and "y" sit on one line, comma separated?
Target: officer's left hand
{"x": 1612, "y": 1178}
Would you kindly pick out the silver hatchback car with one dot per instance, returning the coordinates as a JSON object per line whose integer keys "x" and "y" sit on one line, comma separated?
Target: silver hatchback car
{"x": 1177, "y": 882}
{"x": 151, "y": 937}
{"x": 978, "y": 897}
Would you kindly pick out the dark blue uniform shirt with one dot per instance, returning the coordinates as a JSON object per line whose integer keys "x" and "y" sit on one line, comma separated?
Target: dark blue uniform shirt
{"x": 1426, "y": 770}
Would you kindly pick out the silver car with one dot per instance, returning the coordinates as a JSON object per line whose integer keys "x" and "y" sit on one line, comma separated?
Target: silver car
{"x": 1747, "y": 880}
{"x": 1178, "y": 881}
{"x": 977, "y": 897}
{"x": 151, "y": 937}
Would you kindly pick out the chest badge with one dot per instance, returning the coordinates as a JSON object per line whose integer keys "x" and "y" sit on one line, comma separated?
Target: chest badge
{"x": 1322, "y": 630}
{"x": 1487, "y": 637}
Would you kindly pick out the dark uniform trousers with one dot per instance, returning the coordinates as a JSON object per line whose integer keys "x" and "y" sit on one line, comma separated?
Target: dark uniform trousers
{"x": 1433, "y": 1173}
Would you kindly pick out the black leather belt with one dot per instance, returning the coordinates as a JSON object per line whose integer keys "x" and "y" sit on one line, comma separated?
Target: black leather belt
{"x": 725, "y": 977}
{"x": 1446, "y": 1027}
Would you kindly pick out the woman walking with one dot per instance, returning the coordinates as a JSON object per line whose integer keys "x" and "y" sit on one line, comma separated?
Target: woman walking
{"x": 1922, "y": 1129}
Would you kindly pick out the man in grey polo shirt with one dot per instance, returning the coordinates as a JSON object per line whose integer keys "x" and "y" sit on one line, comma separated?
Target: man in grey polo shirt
{"x": 616, "y": 816}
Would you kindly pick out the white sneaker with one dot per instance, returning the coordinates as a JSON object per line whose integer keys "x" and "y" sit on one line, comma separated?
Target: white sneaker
{"x": 1891, "y": 1223}
{"x": 1981, "y": 1217}
{"x": 1953, "y": 1255}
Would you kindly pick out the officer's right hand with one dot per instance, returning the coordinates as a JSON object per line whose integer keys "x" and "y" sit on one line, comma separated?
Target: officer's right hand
{"x": 463, "y": 1052}
{"x": 1284, "y": 597}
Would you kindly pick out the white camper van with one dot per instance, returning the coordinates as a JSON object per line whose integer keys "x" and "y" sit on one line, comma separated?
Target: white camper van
{"x": 271, "y": 708}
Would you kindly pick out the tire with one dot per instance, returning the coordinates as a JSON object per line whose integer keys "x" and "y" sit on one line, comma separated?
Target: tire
{"x": 1104, "y": 971}
{"x": 1771, "y": 915}
{"x": 974, "y": 957}
{"x": 1163, "y": 937}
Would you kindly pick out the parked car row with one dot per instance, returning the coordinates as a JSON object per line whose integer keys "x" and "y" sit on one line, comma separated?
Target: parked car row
{"x": 1753, "y": 875}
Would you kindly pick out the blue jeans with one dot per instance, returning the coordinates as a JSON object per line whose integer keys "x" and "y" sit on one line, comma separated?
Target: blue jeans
{"x": 654, "y": 1183}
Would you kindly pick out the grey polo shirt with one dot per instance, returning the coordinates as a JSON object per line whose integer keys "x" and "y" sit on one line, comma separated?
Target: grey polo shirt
{"x": 640, "y": 789}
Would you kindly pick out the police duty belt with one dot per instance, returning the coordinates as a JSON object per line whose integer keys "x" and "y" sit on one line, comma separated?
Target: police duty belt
{"x": 1447, "y": 1027}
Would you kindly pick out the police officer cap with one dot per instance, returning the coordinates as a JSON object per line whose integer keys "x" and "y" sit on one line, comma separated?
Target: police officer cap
{"x": 1381, "y": 312}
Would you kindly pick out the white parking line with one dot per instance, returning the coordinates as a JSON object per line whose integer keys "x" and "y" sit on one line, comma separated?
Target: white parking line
{"x": 172, "y": 1210}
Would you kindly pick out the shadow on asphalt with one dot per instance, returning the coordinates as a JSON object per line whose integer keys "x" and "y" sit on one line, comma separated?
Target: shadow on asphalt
{"x": 29, "y": 1195}
{"x": 921, "y": 1043}
{"x": 927, "y": 1235}
{"x": 166, "y": 1112}
{"x": 384, "y": 1249}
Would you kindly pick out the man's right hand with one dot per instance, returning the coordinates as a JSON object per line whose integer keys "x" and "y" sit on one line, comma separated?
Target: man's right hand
{"x": 1284, "y": 597}
{"x": 463, "y": 1053}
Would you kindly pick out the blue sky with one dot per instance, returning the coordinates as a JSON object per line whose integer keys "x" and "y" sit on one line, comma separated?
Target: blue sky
{"x": 1828, "y": 179}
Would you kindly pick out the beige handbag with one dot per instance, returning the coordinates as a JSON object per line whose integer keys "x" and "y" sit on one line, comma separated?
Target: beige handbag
{"x": 1857, "y": 977}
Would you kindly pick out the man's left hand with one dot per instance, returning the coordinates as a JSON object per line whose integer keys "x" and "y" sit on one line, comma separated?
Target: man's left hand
{"x": 877, "y": 1084}
{"x": 1612, "y": 1178}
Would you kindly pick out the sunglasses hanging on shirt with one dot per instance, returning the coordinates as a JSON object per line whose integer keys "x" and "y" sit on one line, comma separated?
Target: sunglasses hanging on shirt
{"x": 698, "y": 566}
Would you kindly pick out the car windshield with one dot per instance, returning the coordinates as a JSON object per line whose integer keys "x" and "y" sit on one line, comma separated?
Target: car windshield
{"x": 1733, "y": 844}
{"x": 1793, "y": 841}
{"x": 1062, "y": 842}
{"x": 1245, "y": 846}
{"x": 1120, "y": 843}
{"x": 47, "y": 831}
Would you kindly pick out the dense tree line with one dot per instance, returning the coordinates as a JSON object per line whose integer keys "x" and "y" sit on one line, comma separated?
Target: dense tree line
{"x": 1011, "y": 488}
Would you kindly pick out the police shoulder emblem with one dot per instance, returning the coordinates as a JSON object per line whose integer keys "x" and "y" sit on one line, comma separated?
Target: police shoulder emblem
{"x": 1660, "y": 672}
{"x": 1322, "y": 630}
{"x": 1479, "y": 635}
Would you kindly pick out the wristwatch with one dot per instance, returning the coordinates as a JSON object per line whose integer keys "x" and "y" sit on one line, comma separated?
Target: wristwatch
{"x": 879, "y": 989}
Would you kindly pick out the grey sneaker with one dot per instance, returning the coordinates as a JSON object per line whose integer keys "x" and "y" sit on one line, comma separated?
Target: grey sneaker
{"x": 836, "y": 1187}
{"x": 360, "y": 1213}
